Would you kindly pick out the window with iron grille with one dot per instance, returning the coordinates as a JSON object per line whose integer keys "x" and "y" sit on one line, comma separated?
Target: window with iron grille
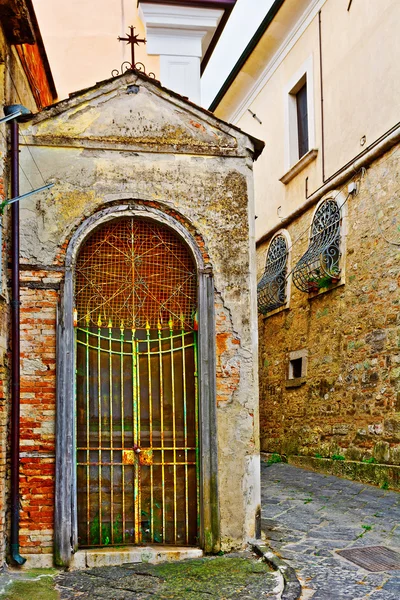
{"x": 319, "y": 266}
{"x": 271, "y": 289}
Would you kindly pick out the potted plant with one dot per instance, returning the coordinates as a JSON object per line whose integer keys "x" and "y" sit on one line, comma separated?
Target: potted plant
{"x": 312, "y": 285}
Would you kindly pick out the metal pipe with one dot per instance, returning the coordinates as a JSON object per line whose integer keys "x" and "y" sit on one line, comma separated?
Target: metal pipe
{"x": 321, "y": 83}
{"x": 15, "y": 347}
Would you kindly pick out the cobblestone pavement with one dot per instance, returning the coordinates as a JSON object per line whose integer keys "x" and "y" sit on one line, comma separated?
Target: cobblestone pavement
{"x": 308, "y": 516}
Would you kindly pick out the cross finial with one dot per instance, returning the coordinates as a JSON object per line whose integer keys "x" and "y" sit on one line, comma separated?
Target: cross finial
{"x": 131, "y": 40}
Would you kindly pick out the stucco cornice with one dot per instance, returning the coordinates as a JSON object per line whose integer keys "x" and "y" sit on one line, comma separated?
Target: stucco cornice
{"x": 363, "y": 160}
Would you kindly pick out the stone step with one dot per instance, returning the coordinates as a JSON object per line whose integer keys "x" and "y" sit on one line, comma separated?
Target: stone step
{"x": 107, "y": 557}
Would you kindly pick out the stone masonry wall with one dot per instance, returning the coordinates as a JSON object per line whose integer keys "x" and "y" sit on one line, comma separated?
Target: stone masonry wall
{"x": 349, "y": 402}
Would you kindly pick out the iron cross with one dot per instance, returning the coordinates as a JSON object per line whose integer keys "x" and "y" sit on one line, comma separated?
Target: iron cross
{"x": 132, "y": 39}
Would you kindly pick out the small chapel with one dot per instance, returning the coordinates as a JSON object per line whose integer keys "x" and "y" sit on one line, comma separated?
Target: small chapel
{"x": 139, "y": 401}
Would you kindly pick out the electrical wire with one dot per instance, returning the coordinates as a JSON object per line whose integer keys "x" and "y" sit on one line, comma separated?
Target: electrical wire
{"x": 26, "y": 176}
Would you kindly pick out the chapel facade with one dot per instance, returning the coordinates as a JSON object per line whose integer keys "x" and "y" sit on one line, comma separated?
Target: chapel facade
{"x": 139, "y": 396}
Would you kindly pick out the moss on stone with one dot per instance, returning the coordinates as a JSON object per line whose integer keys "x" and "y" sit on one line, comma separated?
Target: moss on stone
{"x": 217, "y": 577}
{"x": 230, "y": 576}
{"x": 43, "y": 589}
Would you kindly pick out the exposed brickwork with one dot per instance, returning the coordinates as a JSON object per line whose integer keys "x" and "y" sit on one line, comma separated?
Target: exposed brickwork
{"x": 350, "y": 401}
{"x": 38, "y": 389}
{"x": 14, "y": 89}
{"x": 4, "y": 412}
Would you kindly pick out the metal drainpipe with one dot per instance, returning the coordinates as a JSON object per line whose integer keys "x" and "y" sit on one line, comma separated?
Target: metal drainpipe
{"x": 321, "y": 82}
{"x": 15, "y": 346}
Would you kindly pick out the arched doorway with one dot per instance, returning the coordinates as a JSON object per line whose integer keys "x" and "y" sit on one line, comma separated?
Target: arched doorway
{"x": 137, "y": 434}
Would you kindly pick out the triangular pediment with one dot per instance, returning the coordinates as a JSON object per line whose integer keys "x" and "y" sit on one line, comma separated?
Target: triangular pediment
{"x": 132, "y": 112}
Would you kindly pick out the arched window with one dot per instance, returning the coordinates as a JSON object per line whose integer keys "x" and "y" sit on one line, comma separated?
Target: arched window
{"x": 319, "y": 266}
{"x": 271, "y": 289}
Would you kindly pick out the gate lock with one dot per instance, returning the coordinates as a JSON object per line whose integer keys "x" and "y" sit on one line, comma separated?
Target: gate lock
{"x": 143, "y": 455}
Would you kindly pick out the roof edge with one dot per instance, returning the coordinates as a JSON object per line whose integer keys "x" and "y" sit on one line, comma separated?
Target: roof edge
{"x": 42, "y": 49}
{"x": 257, "y": 144}
{"x": 269, "y": 17}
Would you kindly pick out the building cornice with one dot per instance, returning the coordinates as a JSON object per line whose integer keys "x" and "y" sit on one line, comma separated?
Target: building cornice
{"x": 246, "y": 53}
{"x": 223, "y": 7}
{"x": 348, "y": 171}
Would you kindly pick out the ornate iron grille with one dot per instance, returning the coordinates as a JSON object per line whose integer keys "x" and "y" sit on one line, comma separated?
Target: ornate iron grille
{"x": 271, "y": 289}
{"x": 132, "y": 272}
{"x": 136, "y": 387}
{"x": 320, "y": 264}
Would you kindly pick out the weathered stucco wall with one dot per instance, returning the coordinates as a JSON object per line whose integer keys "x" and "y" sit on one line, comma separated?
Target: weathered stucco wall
{"x": 140, "y": 147}
{"x": 349, "y": 403}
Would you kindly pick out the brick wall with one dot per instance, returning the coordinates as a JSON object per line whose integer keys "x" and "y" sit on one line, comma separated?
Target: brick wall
{"x": 38, "y": 389}
{"x": 4, "y": 412}
{"x": 349, "y": 403}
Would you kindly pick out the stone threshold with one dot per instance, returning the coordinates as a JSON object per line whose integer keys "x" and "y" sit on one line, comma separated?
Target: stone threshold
{"x": 111, "y": 557}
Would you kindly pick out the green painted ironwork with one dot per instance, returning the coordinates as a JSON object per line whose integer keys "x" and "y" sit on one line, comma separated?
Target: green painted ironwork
{"x": 137, "y": 435}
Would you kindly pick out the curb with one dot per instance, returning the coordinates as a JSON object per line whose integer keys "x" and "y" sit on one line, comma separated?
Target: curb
{"x": 375, "y": 474}
{"x": 292, "y": 589}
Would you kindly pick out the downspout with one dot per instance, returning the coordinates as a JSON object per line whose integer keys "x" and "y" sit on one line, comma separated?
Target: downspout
{"x": 15, "y": 343}
{"x": 321, "y": 97}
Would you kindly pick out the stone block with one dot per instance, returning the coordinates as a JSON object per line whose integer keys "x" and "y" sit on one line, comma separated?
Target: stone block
{"x": 392, "y": 427}
{"x": 37, "y": 561}
{"x": 106, "y": 557}
{"x": 382, "y": 452}
{"x": 376, "y": 339}
{"x": 341, "y": 429}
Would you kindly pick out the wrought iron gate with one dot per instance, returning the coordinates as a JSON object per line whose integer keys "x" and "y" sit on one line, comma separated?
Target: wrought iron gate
{"x": 136, "y": 388}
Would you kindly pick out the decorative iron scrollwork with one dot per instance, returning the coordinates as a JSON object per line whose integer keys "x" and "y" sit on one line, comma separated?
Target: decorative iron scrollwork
{"x": 132, "y": 273}
{"x": 271, "y": 289}
{"x": 320, "y": 264}
{"x": 127, "y": 66}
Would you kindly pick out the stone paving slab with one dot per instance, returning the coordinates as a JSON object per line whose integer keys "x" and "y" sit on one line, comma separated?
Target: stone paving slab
{"x": 233, "y": 577}
{"x": 239, "y": 576}
{"x": 313, "y": 515}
